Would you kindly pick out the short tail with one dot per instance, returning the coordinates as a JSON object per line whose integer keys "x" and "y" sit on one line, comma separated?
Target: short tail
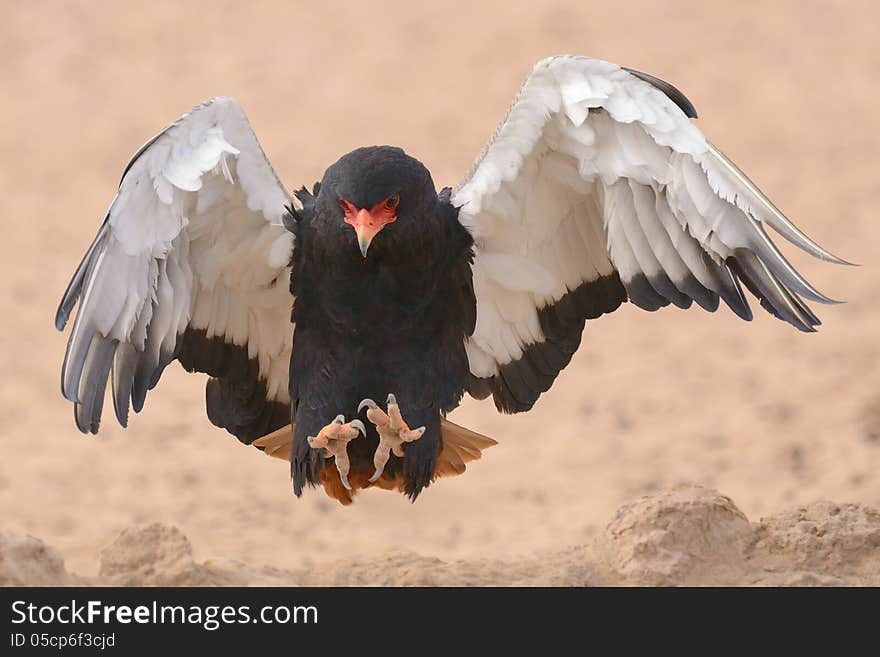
{"x": 460, "y": 446}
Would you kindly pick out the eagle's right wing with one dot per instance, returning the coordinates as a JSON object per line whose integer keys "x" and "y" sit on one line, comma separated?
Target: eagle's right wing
{"x": 191, "y": 262}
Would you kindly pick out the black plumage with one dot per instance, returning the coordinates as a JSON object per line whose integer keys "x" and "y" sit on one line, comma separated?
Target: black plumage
{"x": 235, "y": 395}
{"x": 392, "y": 322}
{"x": 520, "y": 382}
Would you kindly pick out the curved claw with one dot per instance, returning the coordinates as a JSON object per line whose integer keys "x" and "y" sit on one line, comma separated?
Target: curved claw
{"x": 393, "y": 432}
{"x": 344, "y": 480}
{"x": 336, "y": 435}
{"x": 368, "y": 403}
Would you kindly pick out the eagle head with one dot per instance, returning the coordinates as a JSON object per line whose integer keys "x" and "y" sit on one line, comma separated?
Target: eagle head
{"x": 371, "y": 188}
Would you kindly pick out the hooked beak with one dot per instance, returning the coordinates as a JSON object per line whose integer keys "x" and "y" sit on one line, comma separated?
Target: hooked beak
{"x": 365, "y": 227}
{"x": 367, "y": 223}
{"x": 363, "y": 241}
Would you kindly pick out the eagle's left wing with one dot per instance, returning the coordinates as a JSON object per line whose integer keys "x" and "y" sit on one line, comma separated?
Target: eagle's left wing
{"x": 598, "y": 189}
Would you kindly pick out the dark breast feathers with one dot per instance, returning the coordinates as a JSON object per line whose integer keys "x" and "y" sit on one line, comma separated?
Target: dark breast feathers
{"x": 394, "y": 322}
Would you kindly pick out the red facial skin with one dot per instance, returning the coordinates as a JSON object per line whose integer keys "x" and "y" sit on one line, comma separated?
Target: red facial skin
{"x": 368, "y": 223}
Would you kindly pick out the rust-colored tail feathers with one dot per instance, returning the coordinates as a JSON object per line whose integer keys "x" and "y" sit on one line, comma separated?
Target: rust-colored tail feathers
{"x": 460, "y": 446}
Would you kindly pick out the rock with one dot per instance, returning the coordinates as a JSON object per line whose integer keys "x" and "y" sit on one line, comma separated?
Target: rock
{"x": 27, "y": 561}
{"x": 685, "y": 536}
{"x": 231, "y": 572}
{"x": 152, "y": 555}
{"x": 689, "y": 534}
{"x": 160, "y": 555}
{"x": 823, "y": 538}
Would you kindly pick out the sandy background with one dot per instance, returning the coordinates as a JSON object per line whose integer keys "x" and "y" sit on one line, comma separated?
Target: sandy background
{"x": 771, "y": 417}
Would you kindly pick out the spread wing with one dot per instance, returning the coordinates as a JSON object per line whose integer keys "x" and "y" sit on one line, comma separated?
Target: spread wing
{"x": 598, "y": 189}
{"x": 191, "y": 262}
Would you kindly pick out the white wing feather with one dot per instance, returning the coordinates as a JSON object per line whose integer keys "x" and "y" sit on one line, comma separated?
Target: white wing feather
{"x": 594, "y": 171}
{"x": 193, "y": 240}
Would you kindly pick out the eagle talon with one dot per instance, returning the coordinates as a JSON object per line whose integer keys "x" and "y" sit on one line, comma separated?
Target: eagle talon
{"x": 393, "y": 432}
{"x": 333, "y": 439}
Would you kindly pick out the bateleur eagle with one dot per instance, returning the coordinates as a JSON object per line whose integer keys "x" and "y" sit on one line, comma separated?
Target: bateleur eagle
{"x": 340, "y": 328}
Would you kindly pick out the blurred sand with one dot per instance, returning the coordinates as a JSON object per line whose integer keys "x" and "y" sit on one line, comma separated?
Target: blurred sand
{"x": 773, "y": 418}
{"x": 688, "y": 535}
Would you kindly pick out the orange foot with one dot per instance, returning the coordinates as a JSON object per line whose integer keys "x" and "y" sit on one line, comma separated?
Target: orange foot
{"x": 334, "y": 439}
{"x": 393, "y": 432}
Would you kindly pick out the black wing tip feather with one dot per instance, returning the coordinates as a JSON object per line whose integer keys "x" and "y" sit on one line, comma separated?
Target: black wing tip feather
{"x": 733, "y": 295}
{"x": 645, "y": 295}
{"x": 74, "y": 286}
{"x": 743, "y": 266}
{"x": 773, "y": 295}
{"x": 96, "y": 370}
{"x": 62, "y": 315}
{"x": 671, "y": 92}
{"x": 143, "y": 149}
{"x": 71, "y": 295}
{"x": 124, "y": 363}
{"x": 236, "y": 397}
